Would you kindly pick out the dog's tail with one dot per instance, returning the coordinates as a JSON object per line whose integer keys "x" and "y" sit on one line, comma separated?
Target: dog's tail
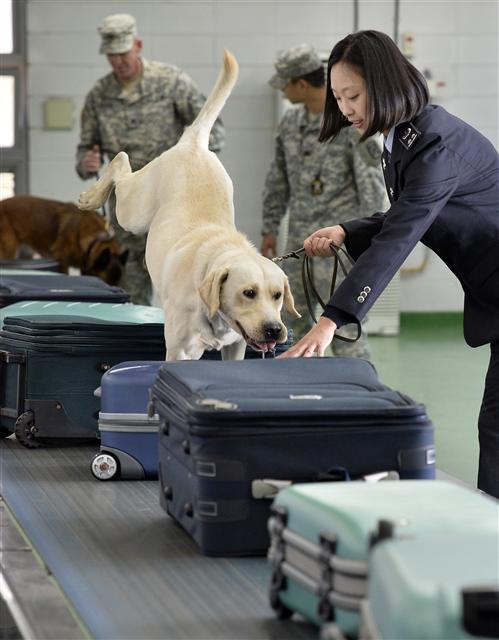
{"x": 199, "y": 130}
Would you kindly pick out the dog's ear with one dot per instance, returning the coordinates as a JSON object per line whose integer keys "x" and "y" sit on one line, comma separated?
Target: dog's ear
{"x": 124, "y": 257}
{"x": 210, "y": 289}
{"x": 102, "y": 260}
{"x": 289, "y": 303}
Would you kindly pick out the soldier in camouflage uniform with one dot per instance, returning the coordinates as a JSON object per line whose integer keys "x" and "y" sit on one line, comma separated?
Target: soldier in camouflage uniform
{"x": 318, "y": 184}
{"x": 141, "y": 107}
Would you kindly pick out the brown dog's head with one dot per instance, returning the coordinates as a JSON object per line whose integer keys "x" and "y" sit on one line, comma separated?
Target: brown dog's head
{"x": 104, "y": 258}
{"x": 250, "y": 294}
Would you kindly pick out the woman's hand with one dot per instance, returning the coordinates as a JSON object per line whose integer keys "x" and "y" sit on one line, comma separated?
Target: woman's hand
{"x": 318, "y": 243}
{"x": 315, "y": 342}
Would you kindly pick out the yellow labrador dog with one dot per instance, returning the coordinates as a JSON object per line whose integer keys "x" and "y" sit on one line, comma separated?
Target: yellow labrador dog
{"x": 216, "y": 290}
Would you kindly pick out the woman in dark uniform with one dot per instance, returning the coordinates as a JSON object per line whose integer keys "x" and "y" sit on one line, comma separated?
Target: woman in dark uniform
{"x": 442, "y": 178}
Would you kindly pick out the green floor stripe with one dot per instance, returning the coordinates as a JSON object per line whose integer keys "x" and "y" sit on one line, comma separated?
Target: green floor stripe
{"x": 416, "y": 320}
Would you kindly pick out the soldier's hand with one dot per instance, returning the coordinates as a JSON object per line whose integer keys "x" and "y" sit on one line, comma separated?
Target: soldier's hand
{"x": 269, "y": 245}
{"x": 315, "y": 342}
{"x": 91, "y": 160}
{"x": 318, "y": 244}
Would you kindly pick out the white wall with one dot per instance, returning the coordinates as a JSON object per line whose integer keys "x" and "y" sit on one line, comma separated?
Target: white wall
{"x": 456, "y": 39}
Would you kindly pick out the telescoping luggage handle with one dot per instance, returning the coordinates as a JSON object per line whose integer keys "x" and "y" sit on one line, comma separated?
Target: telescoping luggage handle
{"x": 268, "y": 488}
{"x": 316, "y": 566}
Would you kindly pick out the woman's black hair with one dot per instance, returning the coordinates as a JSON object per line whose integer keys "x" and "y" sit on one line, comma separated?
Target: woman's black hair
{"x": 396, "y": 90}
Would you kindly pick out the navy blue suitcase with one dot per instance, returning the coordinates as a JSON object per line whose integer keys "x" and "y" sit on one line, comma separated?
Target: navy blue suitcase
{"x": 18, "y": 287}
{"x": 128, "y": 435}
{"x": 231, "y": 433}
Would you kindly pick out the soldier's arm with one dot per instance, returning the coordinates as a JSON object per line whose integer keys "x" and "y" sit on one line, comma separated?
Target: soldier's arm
{"x": 276, "y": 191}
{"x": 89, "y": 136}
{"x": 188, "y": 102}
{"x": 369, "y": 182}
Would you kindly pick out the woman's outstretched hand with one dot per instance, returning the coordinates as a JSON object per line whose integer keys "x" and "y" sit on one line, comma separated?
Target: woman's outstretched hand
{"x": 318, "y": 244}
{"x": 315, "y": 342}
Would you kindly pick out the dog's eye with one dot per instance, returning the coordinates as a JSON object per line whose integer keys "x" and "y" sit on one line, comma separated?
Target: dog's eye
{"x": 249, "y": 293}
{"x": 277, "y": 295}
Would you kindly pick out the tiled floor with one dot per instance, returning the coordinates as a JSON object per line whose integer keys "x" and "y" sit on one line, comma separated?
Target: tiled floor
{"x": 430, "y": 361}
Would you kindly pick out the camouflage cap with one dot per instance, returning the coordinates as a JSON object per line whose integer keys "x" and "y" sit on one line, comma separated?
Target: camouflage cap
{"x": 118, "y": 33}
{"x": 294, "y": 63}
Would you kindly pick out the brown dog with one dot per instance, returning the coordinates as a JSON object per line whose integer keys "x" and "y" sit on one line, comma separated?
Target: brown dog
{"x": 61, "y": 231}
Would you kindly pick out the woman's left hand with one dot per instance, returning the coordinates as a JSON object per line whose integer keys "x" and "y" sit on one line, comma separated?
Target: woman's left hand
{"x": 315, "y": 342}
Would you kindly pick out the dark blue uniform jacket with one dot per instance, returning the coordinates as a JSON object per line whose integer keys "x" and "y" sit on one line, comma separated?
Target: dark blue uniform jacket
{"x": 443, "y": 184}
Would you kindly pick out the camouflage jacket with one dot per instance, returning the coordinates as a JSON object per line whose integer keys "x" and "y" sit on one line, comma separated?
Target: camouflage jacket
{"x": 145, "y": 121}
{"x": 348, "y": 178}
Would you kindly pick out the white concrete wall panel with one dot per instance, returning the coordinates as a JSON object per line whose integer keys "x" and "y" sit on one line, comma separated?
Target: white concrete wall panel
{"x": 457, "y": 40}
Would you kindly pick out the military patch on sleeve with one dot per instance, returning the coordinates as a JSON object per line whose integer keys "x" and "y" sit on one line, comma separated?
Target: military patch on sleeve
{"x": 373, "y": 148}
{"x": 409, "y": 136}
{"x": 370, "y": 151}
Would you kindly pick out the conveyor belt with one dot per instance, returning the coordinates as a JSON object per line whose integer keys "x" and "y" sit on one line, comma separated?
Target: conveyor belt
{"x": 128, "y": 570}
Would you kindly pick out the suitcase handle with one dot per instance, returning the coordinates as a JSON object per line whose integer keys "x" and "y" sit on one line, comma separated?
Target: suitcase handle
{"x": 268, "y": 488}
{"x": 12, "y": 358}
{"x": 334, "y": 474}
{"x": 481, "y": 611}
{"x": 341, "y": 474}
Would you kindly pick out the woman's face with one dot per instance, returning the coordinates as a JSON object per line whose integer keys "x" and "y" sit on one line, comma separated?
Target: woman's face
{"x": 350, "y": 93}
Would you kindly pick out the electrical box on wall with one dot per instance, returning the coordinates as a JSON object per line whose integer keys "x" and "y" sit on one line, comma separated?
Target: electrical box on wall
{"x": 408, "y": 44}
{"x": 58, "y": 114}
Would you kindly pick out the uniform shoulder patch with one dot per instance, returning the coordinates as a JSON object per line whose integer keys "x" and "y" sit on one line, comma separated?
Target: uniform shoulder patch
{"x": 373, "y": 149}
{"x": 369, "y": 151}
{"x": 409, "y": 135}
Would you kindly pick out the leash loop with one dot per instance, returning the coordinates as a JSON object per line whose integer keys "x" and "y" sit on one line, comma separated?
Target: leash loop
{"x": 307, "y": 278}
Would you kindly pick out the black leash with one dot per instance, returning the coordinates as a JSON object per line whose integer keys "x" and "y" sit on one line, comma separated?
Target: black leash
{"x": 307, "y": 278}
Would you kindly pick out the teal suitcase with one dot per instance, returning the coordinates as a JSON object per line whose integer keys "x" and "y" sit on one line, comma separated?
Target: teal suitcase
{"x": 52, "y": 357}
{"x": 322, "y": 533}
{"x": 435, "y": 587}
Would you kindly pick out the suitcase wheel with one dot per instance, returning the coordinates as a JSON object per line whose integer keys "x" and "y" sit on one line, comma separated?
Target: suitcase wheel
{"x": 281, "y": 611}
{"x": 104, "y": 466}
{"x": 25, "y": 430}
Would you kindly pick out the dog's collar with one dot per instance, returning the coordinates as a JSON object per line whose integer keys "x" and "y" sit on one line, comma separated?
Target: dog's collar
{"x": 102, "y": 236}
{"x": 223, "y": 317}
{"x": 215, "y": 320}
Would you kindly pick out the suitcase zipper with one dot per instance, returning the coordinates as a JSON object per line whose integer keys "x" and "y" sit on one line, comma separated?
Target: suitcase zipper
{"x": 271, "y": 428}
{"x": 181, "y": 399}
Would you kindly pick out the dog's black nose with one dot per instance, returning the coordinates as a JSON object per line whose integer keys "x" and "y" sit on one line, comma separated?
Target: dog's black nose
{"x": 272, "y": 330}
